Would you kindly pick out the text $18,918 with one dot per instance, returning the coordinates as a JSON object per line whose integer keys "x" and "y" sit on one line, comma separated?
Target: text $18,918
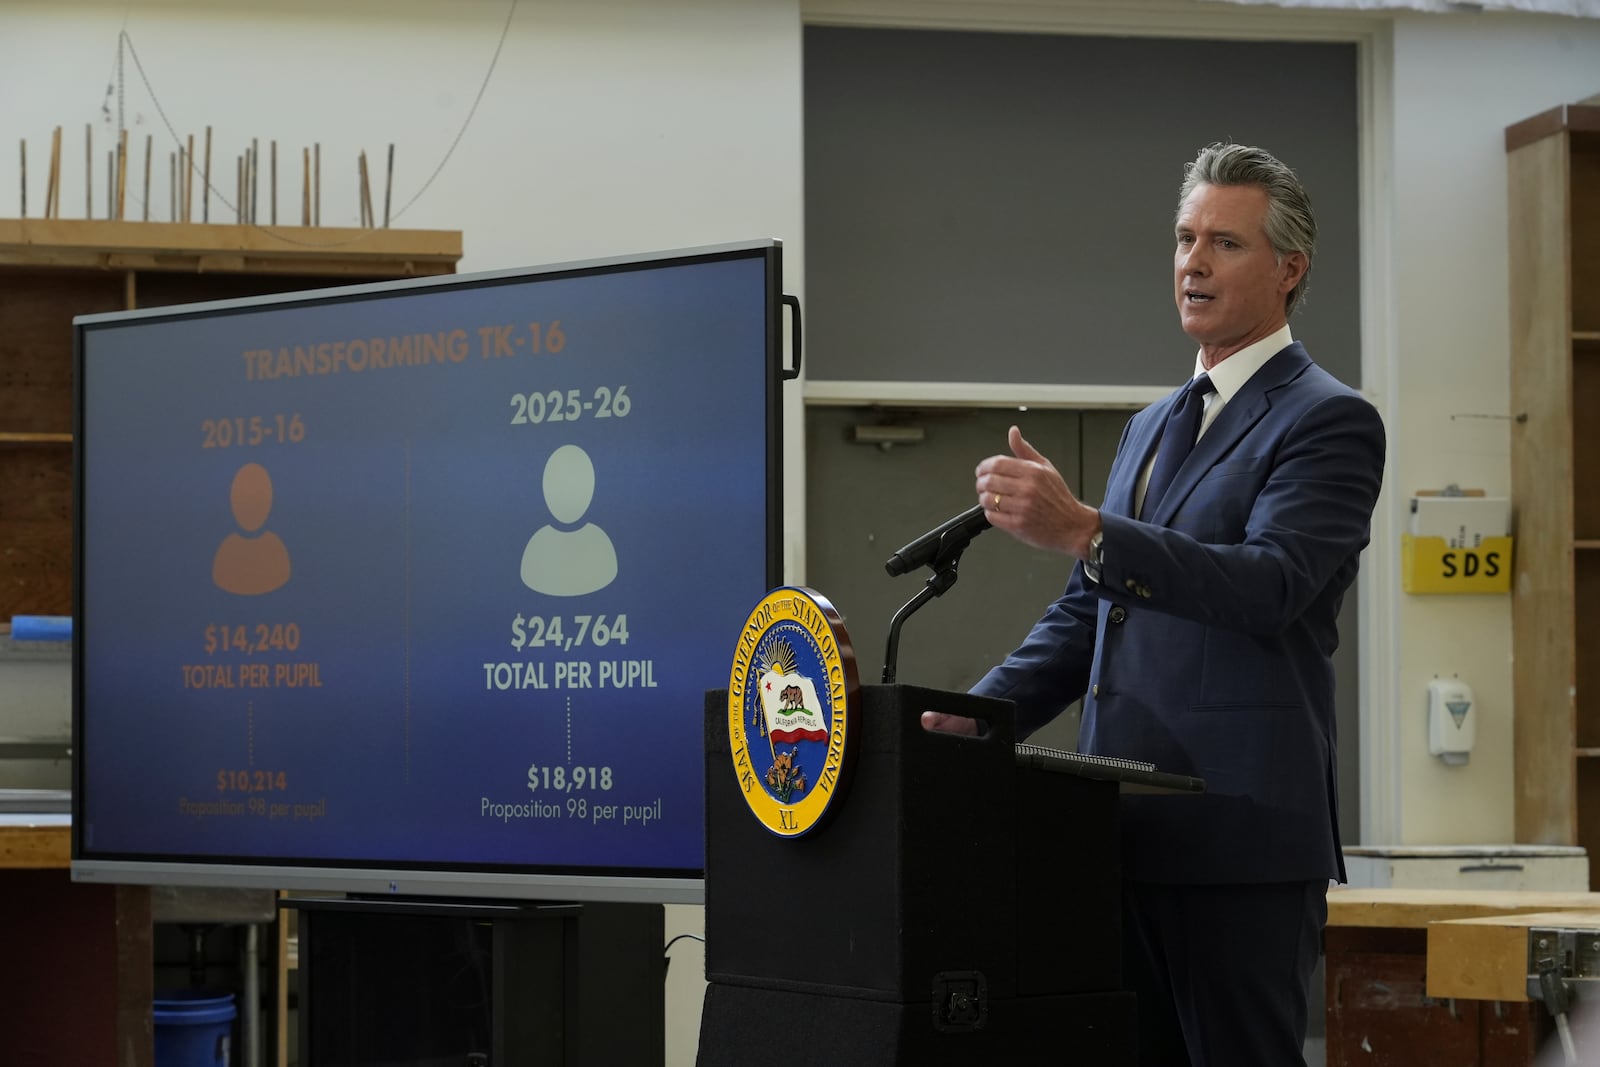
{"x": 559, "y": 779}
{"x": 540, "y": 632}
{"x": 262, "y": 637}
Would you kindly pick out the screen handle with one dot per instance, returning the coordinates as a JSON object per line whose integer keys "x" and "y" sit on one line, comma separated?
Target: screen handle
{"x": 791, "y": 373}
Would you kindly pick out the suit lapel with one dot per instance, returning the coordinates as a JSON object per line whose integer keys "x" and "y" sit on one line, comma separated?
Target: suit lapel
{"x": 1143, "y": 435}
{"x": 1235, "y": 420}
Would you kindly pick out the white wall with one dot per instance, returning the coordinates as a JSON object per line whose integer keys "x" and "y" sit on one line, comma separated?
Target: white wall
{"x": 610, "y": 126}
{"x": 1458, "y": 82}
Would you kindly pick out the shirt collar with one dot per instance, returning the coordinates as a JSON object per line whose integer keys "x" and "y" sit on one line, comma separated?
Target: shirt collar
{"x": 1229, "y": 376}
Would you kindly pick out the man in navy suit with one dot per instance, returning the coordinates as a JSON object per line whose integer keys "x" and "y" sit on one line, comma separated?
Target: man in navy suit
{"x": 1200, "y": 623}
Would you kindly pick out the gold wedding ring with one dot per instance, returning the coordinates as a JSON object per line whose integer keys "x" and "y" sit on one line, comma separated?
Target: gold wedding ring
{"x": 997, "y": 501}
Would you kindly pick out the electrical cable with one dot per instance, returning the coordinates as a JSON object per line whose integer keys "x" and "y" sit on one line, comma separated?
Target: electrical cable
{"x": 124, "y": 39}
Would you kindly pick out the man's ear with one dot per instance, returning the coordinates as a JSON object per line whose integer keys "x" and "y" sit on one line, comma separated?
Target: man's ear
{"x": 1294, "y": 268}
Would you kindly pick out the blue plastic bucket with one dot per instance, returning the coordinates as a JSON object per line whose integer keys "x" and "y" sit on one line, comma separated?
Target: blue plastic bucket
{"x": 194, "y": 1028}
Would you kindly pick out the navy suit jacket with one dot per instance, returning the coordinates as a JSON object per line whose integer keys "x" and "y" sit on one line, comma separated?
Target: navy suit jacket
{"x": 1206, "y": 646}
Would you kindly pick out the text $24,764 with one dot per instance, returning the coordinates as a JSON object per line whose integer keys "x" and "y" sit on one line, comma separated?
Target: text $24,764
{"x": 539, "y": 632}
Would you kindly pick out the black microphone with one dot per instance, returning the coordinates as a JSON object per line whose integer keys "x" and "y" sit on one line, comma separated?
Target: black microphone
{"x": 951, "y": 535}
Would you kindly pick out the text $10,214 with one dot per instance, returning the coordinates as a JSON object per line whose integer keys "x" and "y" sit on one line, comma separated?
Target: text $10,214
{"x": 251, "y": 781}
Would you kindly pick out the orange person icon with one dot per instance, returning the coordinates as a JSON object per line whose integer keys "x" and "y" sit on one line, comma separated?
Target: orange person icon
{"x": 249, "y": 563}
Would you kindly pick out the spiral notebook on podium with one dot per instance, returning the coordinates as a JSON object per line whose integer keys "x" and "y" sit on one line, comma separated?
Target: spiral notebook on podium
{"x": 1132, "y": 776}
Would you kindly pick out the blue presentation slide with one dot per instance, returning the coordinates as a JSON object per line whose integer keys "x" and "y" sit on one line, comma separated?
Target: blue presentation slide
{"x": 431, "y": 577}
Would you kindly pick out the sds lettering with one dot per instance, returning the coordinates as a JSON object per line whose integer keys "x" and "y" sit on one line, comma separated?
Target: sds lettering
{"x": 1470, "y": 565}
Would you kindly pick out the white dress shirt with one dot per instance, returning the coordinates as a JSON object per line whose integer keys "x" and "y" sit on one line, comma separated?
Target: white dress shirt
{"x": 1227, "y": 378}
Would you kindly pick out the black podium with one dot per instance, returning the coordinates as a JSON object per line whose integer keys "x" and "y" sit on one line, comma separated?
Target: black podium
{"x": 958, "y": 908}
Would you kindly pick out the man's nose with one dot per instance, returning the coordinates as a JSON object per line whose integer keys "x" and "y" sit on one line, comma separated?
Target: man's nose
{"x": 1195, "y": 261}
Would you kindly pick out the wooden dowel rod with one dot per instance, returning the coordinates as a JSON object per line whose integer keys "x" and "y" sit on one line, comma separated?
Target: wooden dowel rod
{"x": 316, "y": 187}
{"x": 13, "y": 437}
{"x": 147, "y": 150}
{"x": 272, "y": 210}
{"x": 24, "y": 178}
{"x": 88, "y": 170}
{"x": 122, "y": 174}
{"x": 188, "y": 183}
{"x": 388, "y": 185}
{"x": 205, "y": 182}
{"x": 305, "y": 187}
{"x": 53, "y": 201}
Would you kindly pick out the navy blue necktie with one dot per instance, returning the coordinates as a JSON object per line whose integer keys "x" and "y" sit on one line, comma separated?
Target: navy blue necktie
{"x": 1177, "y": 441}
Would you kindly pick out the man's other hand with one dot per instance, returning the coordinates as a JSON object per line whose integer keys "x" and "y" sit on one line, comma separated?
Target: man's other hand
{"x": 940, "y": 723}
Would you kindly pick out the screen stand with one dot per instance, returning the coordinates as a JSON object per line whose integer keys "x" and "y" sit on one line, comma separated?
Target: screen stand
{"x": 418, "y": 982}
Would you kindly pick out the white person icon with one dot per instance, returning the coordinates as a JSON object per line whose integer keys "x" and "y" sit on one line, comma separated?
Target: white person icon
{"x": 569, "y": 562}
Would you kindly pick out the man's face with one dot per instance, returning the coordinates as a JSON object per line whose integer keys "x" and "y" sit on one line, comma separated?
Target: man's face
{"x": 1229, "y": 285}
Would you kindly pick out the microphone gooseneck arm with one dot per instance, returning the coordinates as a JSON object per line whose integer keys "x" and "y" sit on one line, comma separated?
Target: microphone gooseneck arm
{"x": 938, "y": 583}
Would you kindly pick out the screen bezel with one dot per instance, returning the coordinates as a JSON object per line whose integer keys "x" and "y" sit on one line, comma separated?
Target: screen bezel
{"x": 452, "y": 880}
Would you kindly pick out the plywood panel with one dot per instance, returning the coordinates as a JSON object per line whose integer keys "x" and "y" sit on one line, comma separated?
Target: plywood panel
{"x": 1487, "y": 958}
{"x": 35, "y": 530}
{"x": 196, "y": 247}
{"x": 157, "y": 289}
{"x": 1542, "y": 492}
{"x": 1416, "y": 908}
{"x": 84, "y": 956}
{"x": 1585, "y": 179}
{"x": 1585, "y": 489}
{"x": 1586, "y": 646}
{"x": 36, "y": 847}
{"x": 36, "y": 310}
{"x": 1588, "y": 809}
{"x": 1379, "y": 1015}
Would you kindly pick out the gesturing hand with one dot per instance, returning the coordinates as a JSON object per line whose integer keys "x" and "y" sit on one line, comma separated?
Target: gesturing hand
{"x": 1024, "y": 495}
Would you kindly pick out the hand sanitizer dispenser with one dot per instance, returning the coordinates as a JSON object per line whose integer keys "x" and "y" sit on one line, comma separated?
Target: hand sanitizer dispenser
{"x": 1452, "y": 720}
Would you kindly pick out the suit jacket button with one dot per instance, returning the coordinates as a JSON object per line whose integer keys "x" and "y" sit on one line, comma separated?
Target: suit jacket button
{"x": 1094, "y": 690}
{"x": 1144, "y": 591}
{"x": 1131, "y": 585}
{"x": 1119, "y": 613}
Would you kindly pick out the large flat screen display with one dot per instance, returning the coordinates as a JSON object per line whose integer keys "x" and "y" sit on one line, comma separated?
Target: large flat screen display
{"x": 416, "y": 588}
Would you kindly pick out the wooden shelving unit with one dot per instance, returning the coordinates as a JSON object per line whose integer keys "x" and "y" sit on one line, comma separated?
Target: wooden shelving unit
{"x": 54, "y": 269}
{"x": 1554, "y": 183}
